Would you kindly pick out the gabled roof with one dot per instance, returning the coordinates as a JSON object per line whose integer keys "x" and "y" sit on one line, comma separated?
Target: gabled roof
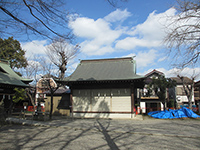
{"x": 154, "y": 72}
{"x": 197, "y": 83}
{"x": 9, "y": 77}
{"x": 105, "y": 70}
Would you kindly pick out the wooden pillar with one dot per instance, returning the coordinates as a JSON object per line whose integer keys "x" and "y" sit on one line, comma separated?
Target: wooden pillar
{"x": 132, "y": 99}
{"x": 72, "y": 104}
{"x": 91, "y": 98}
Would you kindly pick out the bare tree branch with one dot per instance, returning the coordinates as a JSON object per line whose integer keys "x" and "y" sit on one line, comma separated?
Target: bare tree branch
{"x": 188, "y": 89}
{"x": 17, "y": 19}
{"x": 60, "y": 52}
{"x": 45, "y": 18}
{"x": 114, "y": 2}
{"x": 183, "y": 36}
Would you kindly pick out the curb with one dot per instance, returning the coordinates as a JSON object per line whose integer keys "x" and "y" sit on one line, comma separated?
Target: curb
{"x": 25, "y": 122}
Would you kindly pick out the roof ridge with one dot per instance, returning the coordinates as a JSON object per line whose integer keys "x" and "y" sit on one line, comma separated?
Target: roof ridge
{"x": 107, "y": 59}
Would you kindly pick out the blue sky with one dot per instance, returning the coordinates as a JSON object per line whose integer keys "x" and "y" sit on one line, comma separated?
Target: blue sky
{"x": 134, "y": 28}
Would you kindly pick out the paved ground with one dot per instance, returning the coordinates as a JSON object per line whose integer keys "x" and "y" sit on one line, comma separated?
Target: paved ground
{"x": 62, "y": 133}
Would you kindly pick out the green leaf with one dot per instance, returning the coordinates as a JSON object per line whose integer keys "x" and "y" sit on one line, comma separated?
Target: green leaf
{"x": 11, "y": 50}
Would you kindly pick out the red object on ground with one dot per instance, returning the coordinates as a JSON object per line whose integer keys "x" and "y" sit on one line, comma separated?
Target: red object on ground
{"x": 30, "y": 108}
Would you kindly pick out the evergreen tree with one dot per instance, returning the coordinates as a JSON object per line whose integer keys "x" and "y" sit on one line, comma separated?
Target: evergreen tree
{"x": 159, "y": 85}
{"x": 20, "y": 95}
{"x": 11, "y": 50}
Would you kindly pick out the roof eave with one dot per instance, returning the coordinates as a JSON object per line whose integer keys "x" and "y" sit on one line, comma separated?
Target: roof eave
{"x": 103, "y": 81}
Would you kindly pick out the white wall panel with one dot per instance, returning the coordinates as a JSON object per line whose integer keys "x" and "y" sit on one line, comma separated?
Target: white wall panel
{"x": 121, "y": 104}
{"x": 100, "y": 100}
{"x": 81, "y": 100}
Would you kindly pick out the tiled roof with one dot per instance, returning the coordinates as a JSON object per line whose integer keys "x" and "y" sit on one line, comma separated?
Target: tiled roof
{"x": 153, "y": 72}
{"x": 6, "y": 79}
{"x": 105, "y": 70}
{"x": 197, "y": 83}
{"x": 9, "y": 77}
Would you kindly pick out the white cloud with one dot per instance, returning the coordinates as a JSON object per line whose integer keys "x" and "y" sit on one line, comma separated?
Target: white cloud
{"x": 153, "y": 27}
{"x": 144, "y": 59}
{"x": 95, "y": 47}
{"x": 188, "y": 72}
{"x": 88, "y": 28}
{"x": 34, "y": 47}
{"x": 117, "y": 15}
{"x": 130, "y": 43}
{"x": 148, "y": 34}
{"x": 99, "y": 37}
{"x": 162, "y": 58}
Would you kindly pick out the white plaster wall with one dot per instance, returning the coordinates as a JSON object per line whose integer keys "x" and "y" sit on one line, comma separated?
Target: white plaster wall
{"x": 101, "y": 103}
{"x": 162, "y": 106}
{"x": 81, "y": 100}
{"x": 181, "y": 99}
{"x": 104, "y": 100}
{"x": 81, "y": 104}
{"x": 121, "y": 104}
{"x": 143, "y": 107}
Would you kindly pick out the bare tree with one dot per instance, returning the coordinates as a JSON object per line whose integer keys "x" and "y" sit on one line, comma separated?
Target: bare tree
{"x": 47, "y": 83}
{"x": 183, "y": 34}
{"x": 188, "y": 89}
{"x": 36, "y": 66}
{"x": 43, "y": 17}
{"x": 52, "y": 91}
{"x": 115, "y": 2}
{"x": 31, "y": 71}
{"x": 188, "y": 85}
{"x": 60, "y": 52}
{"x": 40, "y": 17}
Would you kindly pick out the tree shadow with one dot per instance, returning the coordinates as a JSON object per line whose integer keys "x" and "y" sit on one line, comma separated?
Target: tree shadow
{"x": 102, "y": 134}
{"x": 89, "y": 103}
{"x": 108, "y": 139}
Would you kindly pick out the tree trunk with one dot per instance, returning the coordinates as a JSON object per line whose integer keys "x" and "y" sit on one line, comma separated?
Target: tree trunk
{"x": 32, "y": 101}
{"x": 191, "y": 94}
{"x": 190, "y": 100}
{"x": 51, "y": 108}
{"x": 163, "y": 105}
{"x": 62, "y": 70}
{"x": 188, "y": 91}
